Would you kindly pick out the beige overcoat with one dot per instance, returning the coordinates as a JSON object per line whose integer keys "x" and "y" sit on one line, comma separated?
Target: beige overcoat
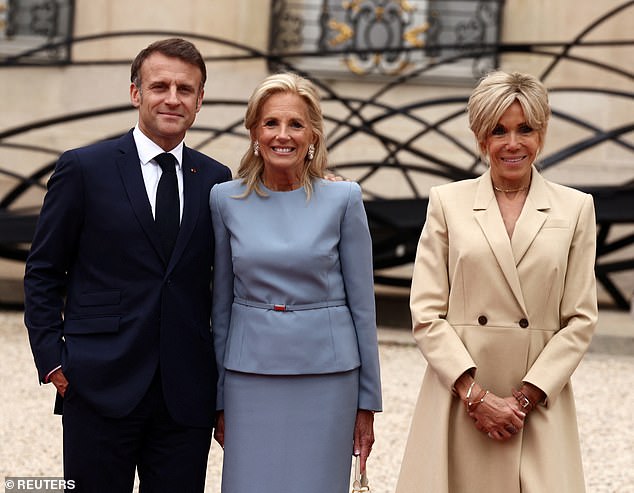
{"x": 520, "y": 309}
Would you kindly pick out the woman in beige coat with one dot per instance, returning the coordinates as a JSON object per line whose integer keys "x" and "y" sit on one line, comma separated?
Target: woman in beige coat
{"x": 503, "y": 306}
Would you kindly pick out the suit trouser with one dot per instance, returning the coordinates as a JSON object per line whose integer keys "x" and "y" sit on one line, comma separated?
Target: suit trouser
{"x": 101, "y": 454}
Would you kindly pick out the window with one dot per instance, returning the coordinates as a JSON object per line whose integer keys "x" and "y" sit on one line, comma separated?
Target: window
{"x": 457, "y": 39}
{"x": 27, "y": 26}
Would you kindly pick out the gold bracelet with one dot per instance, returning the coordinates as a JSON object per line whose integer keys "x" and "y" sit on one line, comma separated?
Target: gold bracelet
{"x": 468, "y": 396}
{"x": 472, "y": 406}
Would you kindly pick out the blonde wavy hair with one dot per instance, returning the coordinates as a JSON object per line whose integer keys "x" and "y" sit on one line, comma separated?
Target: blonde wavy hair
{"x": 495, "y": 93}
{"x": 252, "y": 166}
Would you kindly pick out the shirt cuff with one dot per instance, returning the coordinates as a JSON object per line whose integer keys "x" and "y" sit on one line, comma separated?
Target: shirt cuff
{"x": 48, "y": 375}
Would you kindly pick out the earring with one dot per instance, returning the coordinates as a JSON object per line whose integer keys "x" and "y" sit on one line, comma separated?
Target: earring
{"x": 256, "y": 148}
{"x": 311, "y": 152}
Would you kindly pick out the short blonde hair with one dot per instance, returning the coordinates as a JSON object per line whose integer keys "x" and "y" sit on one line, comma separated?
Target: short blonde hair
{"x": 252, "y": 166}
{"x": 499, "y": 90}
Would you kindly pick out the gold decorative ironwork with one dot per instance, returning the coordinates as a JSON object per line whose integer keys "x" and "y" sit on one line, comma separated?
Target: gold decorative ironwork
{"x": 343, "y": 30}
{"x": 395, "y": 15}
{"x": 354, "y": 5}
{"x": 406, "y": 6}
{"x": 405, "y": 33}
{"x": 412, "y": 36}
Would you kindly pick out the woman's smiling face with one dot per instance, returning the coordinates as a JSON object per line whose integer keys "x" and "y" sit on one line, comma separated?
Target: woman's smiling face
{"x": 512, "y": 148}
{"x": 284, "y": 133}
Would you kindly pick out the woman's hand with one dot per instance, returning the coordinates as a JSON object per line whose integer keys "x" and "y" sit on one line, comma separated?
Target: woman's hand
{"x": 219, "y": 431}
{"x": 499, "y": 417}
{"x": 363, "y": 435}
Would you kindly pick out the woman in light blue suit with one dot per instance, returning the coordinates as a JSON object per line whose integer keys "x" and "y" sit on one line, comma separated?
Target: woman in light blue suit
{"x": 293, "y": 307}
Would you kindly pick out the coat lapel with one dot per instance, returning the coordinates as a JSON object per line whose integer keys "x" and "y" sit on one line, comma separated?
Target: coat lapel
{"x": 191, "y": 207}
{"x": 532, "y": 217}
{"x": 488, "y": 216}
{"x": 130, "y": 170}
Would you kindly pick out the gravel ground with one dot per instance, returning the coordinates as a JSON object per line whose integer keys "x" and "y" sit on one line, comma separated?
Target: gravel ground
{"x": 30, "y": 435}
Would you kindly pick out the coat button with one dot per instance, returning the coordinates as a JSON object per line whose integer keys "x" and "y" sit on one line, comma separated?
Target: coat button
{"x": 482, "y": 320}
{"x": 523, "y": 323}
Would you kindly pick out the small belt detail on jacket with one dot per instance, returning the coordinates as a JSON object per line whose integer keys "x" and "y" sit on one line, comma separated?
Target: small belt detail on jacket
{"x": 289, "y": 308}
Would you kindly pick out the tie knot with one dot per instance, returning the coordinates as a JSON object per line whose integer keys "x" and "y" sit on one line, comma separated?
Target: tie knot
{"x": 167, "y": 162}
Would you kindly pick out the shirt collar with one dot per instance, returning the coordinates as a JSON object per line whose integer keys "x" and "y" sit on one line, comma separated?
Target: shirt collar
{"x": 147, "y": 148}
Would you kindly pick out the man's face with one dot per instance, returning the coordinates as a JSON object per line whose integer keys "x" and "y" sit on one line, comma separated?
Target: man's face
{"x": 168, "y": 99}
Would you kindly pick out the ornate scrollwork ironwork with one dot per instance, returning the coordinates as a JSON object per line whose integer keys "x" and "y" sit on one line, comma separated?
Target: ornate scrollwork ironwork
{"x": 389, "y": 37}
{"x": 286, "y": 28}
{"x": 428, "y": 150}
{"x": 29, "y": 23}
{"x": 368, "y": 25}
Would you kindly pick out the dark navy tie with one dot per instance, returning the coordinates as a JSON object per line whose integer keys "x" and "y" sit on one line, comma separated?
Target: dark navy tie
{"x": 167, "y": 211}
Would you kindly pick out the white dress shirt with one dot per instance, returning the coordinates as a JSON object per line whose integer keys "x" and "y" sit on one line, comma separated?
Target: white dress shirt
{"x": 151, "y": 170}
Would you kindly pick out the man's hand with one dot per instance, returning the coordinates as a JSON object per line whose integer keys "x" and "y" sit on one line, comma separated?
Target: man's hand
{"x": 333, "y": 177}
{"x": 58, "y": 379}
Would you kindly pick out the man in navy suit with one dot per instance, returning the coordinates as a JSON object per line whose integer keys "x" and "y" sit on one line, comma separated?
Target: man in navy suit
{"x": 118, "y": 322}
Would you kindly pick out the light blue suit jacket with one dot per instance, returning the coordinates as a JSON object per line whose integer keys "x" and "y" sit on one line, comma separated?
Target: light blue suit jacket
{"x": 285, "y": 250}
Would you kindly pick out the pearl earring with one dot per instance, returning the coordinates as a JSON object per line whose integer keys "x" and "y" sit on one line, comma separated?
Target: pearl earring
{"x": 256, "y": 148}
{"x": 311, "y": 152}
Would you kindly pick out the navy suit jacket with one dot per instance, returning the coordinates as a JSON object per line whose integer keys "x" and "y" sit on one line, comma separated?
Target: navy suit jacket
{"x": 103, "y": 302}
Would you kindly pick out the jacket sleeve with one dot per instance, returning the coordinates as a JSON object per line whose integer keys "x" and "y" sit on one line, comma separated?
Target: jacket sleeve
{"x": 50, "y": 260}
{"x": 429, "y": 299}
{"x": 355, "y": 252}
{"x": 578, "y": 311}
{"x": 222, "y": 298}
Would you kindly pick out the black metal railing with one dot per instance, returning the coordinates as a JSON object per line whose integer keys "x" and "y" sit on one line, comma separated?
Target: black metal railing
{"x": 430, "y": 150}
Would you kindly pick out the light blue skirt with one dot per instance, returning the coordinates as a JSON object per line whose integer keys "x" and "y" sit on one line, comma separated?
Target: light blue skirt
{"x": 289, "y": 433}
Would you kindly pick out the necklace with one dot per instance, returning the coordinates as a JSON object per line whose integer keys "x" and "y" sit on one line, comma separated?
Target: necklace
{"x": 510, "y": 190}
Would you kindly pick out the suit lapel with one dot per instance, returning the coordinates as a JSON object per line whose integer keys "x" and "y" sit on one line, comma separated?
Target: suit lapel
{"x": 130, "y": 170}
{"x": 191, "y": 207}
{"x": 488, "y": 216}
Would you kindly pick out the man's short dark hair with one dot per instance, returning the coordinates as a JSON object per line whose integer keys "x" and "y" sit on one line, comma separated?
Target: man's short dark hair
{"x": 172, "y": 47}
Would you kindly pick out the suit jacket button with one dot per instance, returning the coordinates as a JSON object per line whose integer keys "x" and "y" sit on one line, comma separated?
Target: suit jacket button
{"x": 523, "y": 323}
{"x": 482, "y": 320}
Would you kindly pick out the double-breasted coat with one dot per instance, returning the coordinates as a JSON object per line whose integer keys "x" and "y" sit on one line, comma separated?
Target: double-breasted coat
{"x": 514, "y": 309}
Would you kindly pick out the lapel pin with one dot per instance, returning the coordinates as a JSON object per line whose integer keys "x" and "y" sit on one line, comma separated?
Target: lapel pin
{"x": 193, "y": 170}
